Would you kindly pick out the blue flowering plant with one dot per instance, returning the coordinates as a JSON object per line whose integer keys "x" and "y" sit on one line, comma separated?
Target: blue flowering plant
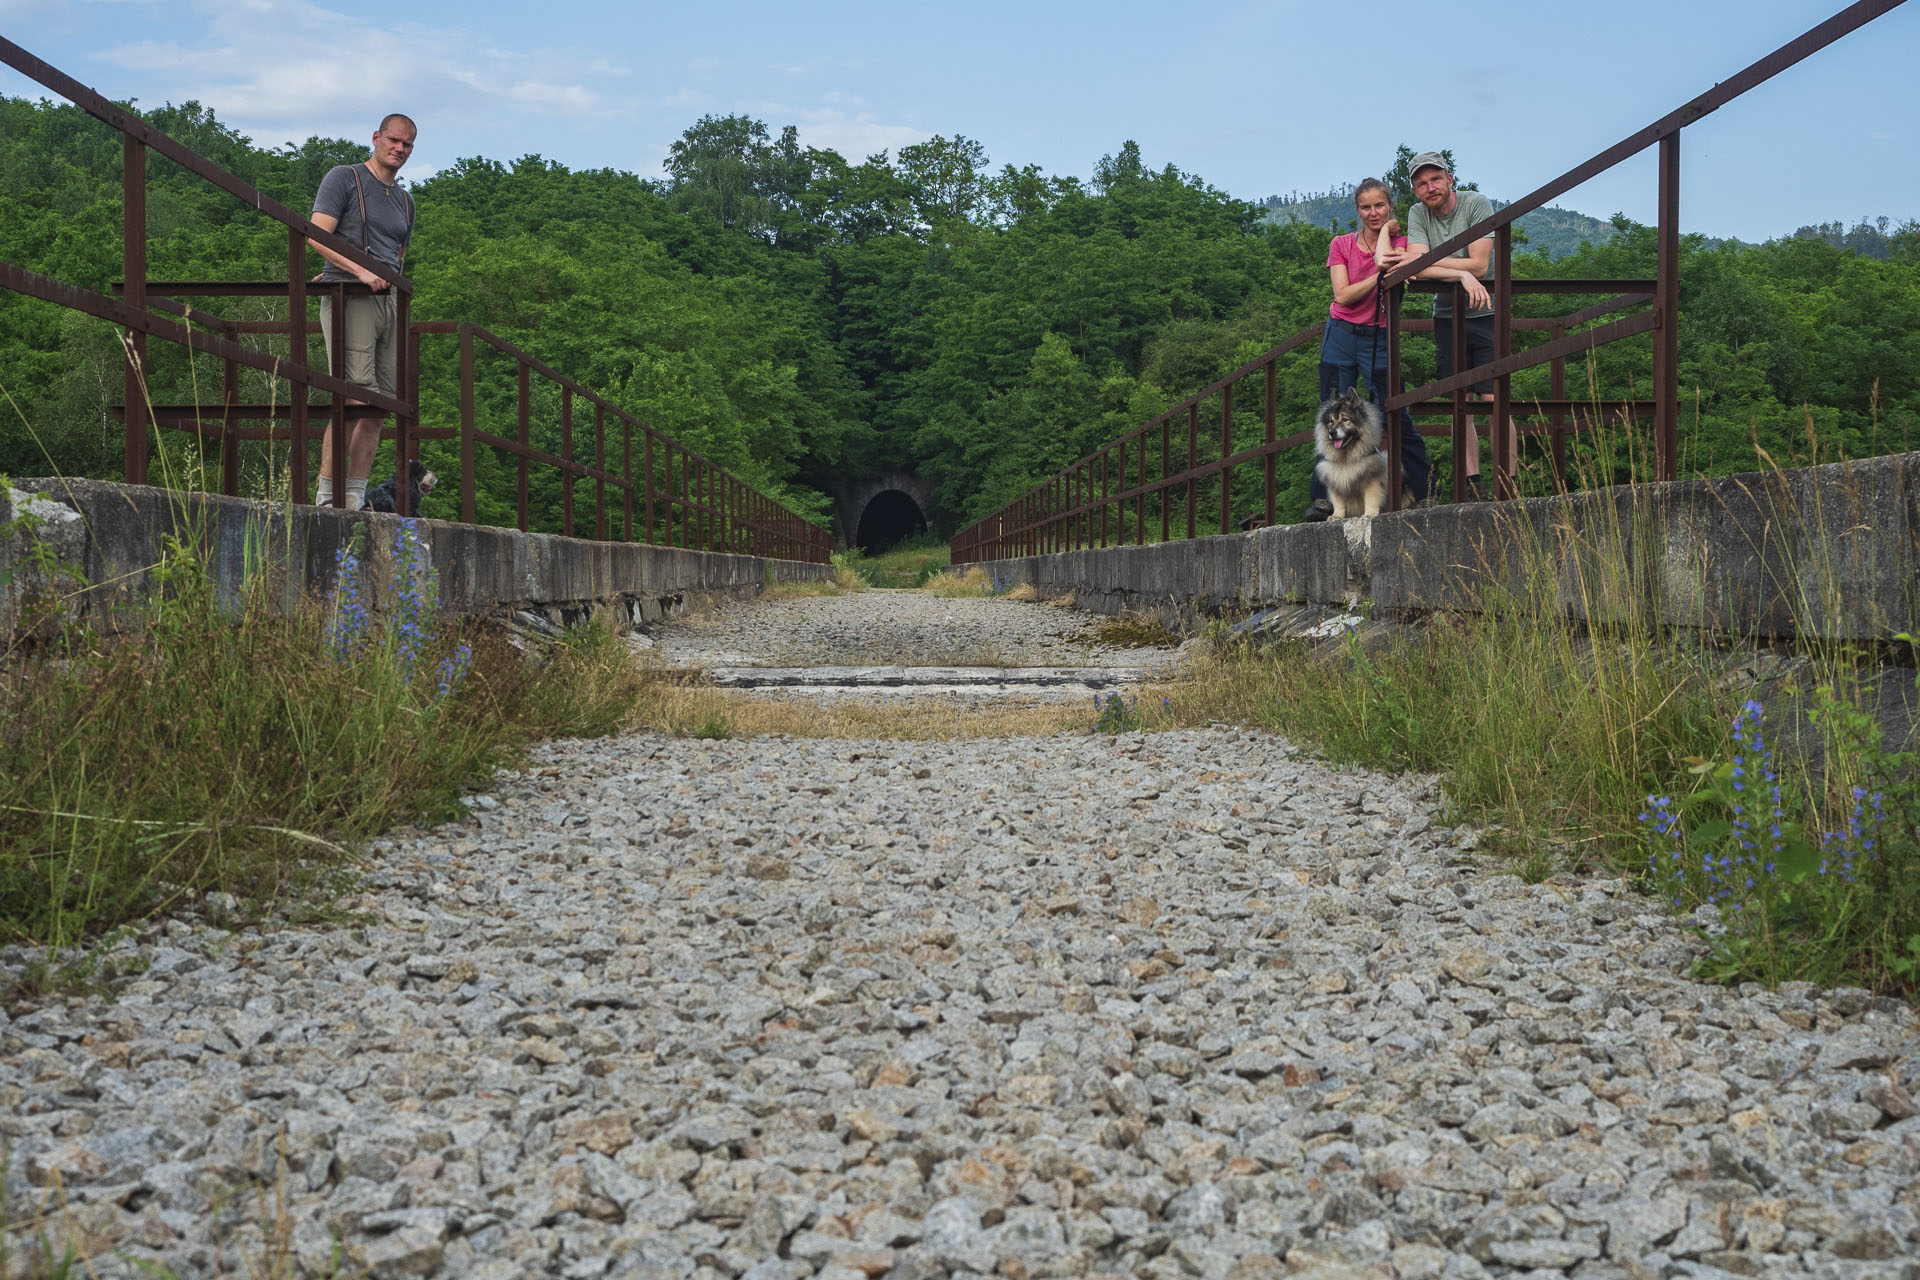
{"x": 1792, "y": 901}
{"x": 401, "y": 640}
{"x": 1729, "y": 842}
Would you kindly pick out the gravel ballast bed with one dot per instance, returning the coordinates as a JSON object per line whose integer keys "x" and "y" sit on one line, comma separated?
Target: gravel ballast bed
{"x": 1182, "y": 1004}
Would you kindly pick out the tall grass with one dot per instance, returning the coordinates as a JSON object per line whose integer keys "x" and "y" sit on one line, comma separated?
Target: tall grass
{"x": 1568, "y": 709}
{"x": 911, "y": 563}
{"x": 246, "y": 751}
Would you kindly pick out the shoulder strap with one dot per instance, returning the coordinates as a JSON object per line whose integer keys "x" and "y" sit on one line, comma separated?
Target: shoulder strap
{"x": 366, "y": 238}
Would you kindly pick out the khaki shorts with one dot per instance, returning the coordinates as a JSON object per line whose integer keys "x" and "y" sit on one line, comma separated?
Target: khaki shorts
{"x": 373, "y": 341}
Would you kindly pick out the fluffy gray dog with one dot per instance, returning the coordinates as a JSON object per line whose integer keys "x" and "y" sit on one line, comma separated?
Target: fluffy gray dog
{"x": 1348, "y": 434}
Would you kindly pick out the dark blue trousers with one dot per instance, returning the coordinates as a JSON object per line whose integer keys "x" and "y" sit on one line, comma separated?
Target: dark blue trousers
{"x": 1343, "y": 352}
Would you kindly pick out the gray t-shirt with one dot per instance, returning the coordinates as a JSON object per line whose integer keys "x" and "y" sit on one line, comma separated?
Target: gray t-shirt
{"x": 1430, "y": 229}
{"x": 385, "y": 230}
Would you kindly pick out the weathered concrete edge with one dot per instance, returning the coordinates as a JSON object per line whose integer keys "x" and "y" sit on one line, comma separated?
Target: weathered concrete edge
{"x": 1830, "y": 552}
{"x": 117, "y": 538}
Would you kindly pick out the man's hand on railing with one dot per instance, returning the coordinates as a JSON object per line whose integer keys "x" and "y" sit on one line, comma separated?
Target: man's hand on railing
{"x": 1478, "y": 299}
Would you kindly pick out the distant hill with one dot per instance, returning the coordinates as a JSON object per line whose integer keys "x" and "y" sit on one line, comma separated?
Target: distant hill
{"x": 1868, "y": 239}
{"x": 1560, "y": 230}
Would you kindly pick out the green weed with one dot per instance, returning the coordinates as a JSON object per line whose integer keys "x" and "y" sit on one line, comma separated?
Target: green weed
{"x": 247, "y": 751}
{"x": 907, "y": 564}
{"x": 1134, "y": 631}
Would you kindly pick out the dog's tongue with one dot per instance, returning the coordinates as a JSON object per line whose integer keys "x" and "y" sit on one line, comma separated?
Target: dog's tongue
{"x": 1341, "y": 443}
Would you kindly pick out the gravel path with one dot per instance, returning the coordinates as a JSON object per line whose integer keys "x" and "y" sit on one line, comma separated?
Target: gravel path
{"x": 1183, "y": 1004}
{"x": 889, "y": 627}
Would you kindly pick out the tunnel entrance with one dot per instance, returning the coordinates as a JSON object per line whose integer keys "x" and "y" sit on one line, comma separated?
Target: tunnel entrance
{"x": 890, "y": 517}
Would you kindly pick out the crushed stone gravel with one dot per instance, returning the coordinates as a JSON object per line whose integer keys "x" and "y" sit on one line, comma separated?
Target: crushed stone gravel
{"x": 1169, "y": 1005}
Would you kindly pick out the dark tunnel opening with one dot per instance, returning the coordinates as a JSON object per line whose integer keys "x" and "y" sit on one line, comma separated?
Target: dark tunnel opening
{"x": 891, "y": 517}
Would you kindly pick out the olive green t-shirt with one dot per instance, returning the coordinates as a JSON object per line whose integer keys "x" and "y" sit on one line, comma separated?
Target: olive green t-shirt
{"x": 1428, "y": 228}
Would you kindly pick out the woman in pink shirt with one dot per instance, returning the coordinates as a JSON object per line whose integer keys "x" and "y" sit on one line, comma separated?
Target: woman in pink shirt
{"x": 1355, "y": 341}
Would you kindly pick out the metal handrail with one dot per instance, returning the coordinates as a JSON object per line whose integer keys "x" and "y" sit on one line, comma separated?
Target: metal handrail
{"x": 709, "y": 510}
{"x": 1059, "y": 512}
{"x": 1085, "y": 503}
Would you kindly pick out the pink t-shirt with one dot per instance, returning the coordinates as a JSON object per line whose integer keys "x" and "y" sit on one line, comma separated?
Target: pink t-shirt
{"x": 1346, "y": 252}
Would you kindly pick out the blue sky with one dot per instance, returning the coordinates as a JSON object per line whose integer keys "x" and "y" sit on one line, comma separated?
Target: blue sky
{"x": 1255, "y": 98}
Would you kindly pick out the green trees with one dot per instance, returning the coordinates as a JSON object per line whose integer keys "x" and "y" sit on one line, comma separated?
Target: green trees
{"x": 803, "y": 319}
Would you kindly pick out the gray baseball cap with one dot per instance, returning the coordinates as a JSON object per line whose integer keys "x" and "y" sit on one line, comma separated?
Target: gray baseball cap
{"x": 1428, "y": 160}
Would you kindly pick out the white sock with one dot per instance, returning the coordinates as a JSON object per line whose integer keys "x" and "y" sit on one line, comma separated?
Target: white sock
{"x": 356, "y": 494}
{"x": 323, "y": 496}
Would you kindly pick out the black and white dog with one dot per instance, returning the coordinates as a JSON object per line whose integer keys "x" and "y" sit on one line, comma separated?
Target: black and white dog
{"x": 1347, "y": 437}
{"x": 421, "y": 481}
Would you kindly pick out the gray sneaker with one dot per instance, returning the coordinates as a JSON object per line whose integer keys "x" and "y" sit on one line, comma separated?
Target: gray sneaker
{"x": 1317, "y": 510}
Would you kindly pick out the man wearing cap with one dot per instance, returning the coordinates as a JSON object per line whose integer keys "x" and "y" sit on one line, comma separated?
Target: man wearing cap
{"x": 1441, "y": 214}
{"x": 365, "y": 205}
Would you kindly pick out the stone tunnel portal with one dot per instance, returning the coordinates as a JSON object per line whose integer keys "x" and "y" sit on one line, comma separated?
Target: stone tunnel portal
{"x": 890, "y": 517}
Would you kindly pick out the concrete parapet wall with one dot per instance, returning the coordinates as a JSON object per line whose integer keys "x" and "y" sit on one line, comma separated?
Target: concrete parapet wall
{"x": 113, "y": 534}
{"x": 1830, "y": 552}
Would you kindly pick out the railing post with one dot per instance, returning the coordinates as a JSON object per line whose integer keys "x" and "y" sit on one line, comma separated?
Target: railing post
{"x": 466, "y": 424}
{"x": 230, "y": 431}
{"x": 1193, "y": 460}
{"x": 1666, "y": 347}
{"x": 599, "y": 472}
{"x": 133, "y": 269}
{"x": 566, "y": 460}
{"x": 297, "y": 388}
{"x": 1140, "y": 502}
{"x": 1395, "y": 383}
{"x": 406, "y": 387}
{"x": 1103, "y": 498}
{"x": 1226, "y": 451}
{"x": 680, "y": 490}
{"x": 1272, "y": 407}
{"x": 337, "y": 420}
{"x": 626, "y": 476}
{"x": 413, "y": 392}
{"x": 646, "y": 437}
{"x": 525, "y": 424}
{"x": 1166, "y": 491}
{"x": 1505, "y": 442}
{"x": 1462, "y": 433}
{"x": 1558, "y": 390}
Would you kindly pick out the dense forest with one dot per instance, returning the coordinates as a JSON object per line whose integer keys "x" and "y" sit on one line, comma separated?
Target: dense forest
{"x": 801, "y": 318}
{"x": 1556, "y": 231}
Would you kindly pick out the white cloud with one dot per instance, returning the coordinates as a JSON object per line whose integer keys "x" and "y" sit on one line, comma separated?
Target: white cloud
{"x": 285, "y": 69}
{"x": 854, "y": 137}
{"x": 842, "y": 124}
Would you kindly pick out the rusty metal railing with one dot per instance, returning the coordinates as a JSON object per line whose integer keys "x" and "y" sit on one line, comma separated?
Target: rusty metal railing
{"x": 1125, "y": 489}
{"x": 698, "y": 504}
{"x": 1087, "y": 501}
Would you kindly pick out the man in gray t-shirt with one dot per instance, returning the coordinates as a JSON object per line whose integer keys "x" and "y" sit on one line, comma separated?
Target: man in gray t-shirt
{"x": 1442, "y": 213}
{"x": 365, "y": 205}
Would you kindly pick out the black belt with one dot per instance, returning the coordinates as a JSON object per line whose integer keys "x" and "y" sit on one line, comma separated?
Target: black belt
{"x": 1364, "y": 330}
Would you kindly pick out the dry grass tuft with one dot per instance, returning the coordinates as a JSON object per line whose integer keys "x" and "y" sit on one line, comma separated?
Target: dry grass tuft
{"x": 674, "y": 702}
{"x": 973, "y": 582}
{"x": 1026, "y": 593}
